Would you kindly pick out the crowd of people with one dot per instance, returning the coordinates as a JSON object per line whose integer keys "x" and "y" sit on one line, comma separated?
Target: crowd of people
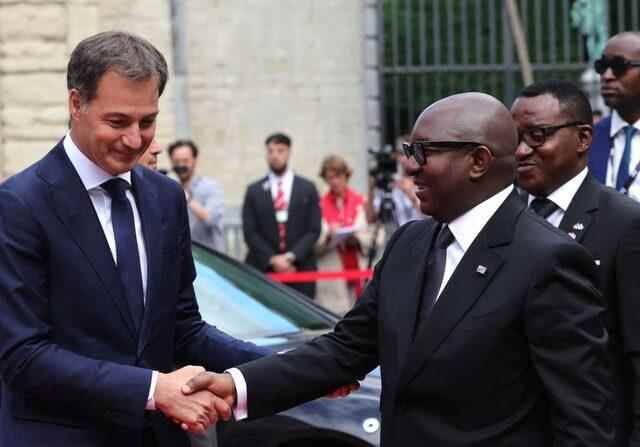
{"x": 509, "y": 316}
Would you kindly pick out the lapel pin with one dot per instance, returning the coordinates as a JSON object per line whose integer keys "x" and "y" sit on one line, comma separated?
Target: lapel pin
{"x": 481, "y": 269}
{"x": 578, "y": 226}
{"x": 572, "y": 234}
{"x": 266, "y": 186}
{"x": 597, "y": 261}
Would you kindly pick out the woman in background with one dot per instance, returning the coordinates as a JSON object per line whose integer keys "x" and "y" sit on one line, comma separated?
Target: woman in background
{"x": 344, "y": 237}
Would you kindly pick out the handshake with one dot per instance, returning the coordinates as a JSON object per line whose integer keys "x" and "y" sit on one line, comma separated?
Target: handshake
{"x": 196, "y": 399}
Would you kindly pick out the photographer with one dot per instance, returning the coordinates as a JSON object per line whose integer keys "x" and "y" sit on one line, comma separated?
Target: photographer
{"x": 391, "y": 191}
{"x": 204, "y": 196}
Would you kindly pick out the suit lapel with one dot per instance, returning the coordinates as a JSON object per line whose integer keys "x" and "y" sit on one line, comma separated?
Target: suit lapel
{"x": 74, "y": 208}
{"x": 579, "y": 215}
{"x": 151, "y": 219}
{"x": 474, "y": 273}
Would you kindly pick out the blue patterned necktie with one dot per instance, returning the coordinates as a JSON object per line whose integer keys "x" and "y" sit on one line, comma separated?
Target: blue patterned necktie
{"x": 623, "y": 170}
{"x": 128, "y": 258}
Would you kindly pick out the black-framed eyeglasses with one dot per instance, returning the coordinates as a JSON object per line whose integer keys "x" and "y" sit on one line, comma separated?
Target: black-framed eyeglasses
{"x": 618, "y": 64}
{"x": 537, "y": 136}
{"x": 419, "y": 150}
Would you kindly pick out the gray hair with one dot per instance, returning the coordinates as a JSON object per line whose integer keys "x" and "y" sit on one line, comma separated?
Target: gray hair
{"x": 128, "y": 55}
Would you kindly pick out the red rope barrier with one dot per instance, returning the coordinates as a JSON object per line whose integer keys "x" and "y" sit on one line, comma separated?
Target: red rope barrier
{"x": 320, "y": 276}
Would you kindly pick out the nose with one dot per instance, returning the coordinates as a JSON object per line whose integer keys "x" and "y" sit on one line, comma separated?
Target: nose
{"x": 607, "y": 75}
{"x": 132, "y": 137}
{"x": 523, "y": 150}
{"x": 411, "y": 167}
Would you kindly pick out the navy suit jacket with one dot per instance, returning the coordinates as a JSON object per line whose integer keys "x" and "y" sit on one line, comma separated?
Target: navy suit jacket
{"x": 73, "y": 368}
{"x": 600, "y": 149}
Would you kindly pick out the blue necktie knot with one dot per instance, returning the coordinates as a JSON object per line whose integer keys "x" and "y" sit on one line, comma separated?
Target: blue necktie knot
{"x": 116, "y": 188}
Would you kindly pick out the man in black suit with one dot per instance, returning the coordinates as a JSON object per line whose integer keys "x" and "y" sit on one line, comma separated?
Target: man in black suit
{"x": 553, "y": 118}
{"x": 281, "y": 217}
{"x": 484, "y": 319}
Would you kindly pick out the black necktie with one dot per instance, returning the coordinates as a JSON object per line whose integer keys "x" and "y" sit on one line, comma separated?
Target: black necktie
{"x": 434, "y": 272}
{"x": 127, "y": 256}
{"x": 543, "y": 207}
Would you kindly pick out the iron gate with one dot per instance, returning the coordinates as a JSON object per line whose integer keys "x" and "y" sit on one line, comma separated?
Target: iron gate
{"x": 435, "y": 48}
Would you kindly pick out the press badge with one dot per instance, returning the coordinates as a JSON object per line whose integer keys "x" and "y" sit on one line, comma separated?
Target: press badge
{"x": 282, "y": 216}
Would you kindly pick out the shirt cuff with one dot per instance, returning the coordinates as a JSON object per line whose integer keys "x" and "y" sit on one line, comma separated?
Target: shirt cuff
{"x": 240, "y": 409}
{"x": 151, "y": 403}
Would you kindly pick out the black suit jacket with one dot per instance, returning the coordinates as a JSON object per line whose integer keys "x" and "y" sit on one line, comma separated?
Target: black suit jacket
{"x": 607, "y": 223}
{"x": 74, "y": 370}
{"x": 261, "y": 229}
{"x": 513, "y": 353}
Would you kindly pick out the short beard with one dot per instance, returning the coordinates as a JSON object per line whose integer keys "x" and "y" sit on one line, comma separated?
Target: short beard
{"x": 280, "y": 171}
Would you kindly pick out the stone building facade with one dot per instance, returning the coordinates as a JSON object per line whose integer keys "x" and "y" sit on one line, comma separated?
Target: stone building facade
{"x": 306, "y": 67}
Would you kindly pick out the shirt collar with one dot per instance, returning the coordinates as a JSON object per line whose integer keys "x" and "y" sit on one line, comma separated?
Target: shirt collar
{"x": 285, "y": 177}
{"x": 466, "y": 228}
{"x": 91, "y": 175}
{"x": 564, "y": 194}
{"x": 617, "y": 124}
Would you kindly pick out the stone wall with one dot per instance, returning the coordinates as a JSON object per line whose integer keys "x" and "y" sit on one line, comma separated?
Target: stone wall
{"x": 36, "y": 38}
{"x": 306, "y": 67}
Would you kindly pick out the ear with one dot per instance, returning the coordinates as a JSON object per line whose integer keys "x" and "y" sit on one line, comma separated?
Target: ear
{"x": 585, "y": 134}
{"x": 75, "y": 104}
{"x": 480, "y": 161}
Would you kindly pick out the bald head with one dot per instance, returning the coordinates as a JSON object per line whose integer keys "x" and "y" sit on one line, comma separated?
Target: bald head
{"x": 630, "y": 38}
{"x": 451, "y": 179}
{"x": 473, "y": 116}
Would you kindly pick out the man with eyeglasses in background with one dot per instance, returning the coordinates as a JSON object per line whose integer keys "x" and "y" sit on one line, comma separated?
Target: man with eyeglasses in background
{"x": 553, "y": 119}
{"x": 614, "y": 157}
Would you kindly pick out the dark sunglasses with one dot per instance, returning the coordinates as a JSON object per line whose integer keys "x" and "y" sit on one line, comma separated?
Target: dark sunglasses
{"x": 618, "y": 64}
{"x": 538, "y": 136}
{"x": 419, "y": 150}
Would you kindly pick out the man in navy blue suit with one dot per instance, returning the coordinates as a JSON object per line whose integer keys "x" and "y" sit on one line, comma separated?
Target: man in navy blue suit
{"x": 614, "y": 158}
{"x": 97, "y": 304}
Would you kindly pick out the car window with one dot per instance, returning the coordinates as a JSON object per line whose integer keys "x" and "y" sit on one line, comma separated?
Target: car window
{"x": 244, "y": 304}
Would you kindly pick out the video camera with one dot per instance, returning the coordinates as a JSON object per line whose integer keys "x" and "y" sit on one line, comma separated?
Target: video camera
{"x": 383, "y": 167}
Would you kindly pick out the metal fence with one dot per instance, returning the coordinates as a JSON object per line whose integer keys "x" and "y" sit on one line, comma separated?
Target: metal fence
{"x": 435, "y": 48}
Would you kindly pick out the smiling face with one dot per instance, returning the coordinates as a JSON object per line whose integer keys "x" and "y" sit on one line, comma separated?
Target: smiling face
{"x": 115, "y": 128}
{"x": 543, "y": 169}
{"x": 442, "y": 181}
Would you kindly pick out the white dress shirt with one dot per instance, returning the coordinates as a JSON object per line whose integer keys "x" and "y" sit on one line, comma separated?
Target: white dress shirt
{"x": 92, "y": 176}
{"x": 287, "y": 184}
{"x": 464, "y": 228}
{"x": 615, "y": 156}
{"x": 563, "y": 196}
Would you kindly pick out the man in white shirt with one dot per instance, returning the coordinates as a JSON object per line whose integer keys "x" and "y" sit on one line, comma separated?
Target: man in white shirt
{"x": 552, "y": 168}
{"x": 614, "y": 158}
{"x": 281, "y": 218}
{"x": 484, "y": 320}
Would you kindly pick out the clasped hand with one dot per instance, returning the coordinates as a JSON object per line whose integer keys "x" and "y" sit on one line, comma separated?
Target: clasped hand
{"x": 196, "y": 399}
{"x": 198, "y": 409}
